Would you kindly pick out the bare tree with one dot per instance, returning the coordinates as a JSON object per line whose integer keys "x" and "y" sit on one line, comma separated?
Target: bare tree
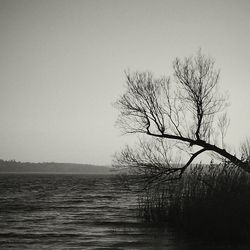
{"x": 245, "y": 151}
{"x": 223, "y": 124}
{"x": 187, "y": 112}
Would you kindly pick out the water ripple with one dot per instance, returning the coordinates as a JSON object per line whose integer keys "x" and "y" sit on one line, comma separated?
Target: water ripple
{"x": 72, "y": 212}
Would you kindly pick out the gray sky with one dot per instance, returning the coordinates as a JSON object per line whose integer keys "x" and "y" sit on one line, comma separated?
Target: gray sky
{"x": 62, "y": 65}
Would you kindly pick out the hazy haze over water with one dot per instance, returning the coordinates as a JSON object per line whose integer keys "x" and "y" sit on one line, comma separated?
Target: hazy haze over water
{"x": 62, "y": 65}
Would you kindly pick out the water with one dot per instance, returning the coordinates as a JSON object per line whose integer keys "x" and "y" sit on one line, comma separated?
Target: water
{"x": 73, "y": 212}
{"x": 77, "y": 212}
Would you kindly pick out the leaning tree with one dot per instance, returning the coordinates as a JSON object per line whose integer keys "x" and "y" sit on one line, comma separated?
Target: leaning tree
{"x": 186, "y": 114}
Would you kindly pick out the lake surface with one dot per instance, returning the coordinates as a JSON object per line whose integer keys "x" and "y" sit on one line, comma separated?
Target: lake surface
{"x": 75, "y": 212}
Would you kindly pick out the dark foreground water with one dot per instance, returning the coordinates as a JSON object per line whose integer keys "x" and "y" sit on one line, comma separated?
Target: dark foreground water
{"x": 74, "y": 212}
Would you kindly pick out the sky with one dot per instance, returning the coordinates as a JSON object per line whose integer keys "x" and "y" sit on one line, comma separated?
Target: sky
{"x": 62, "y": 66}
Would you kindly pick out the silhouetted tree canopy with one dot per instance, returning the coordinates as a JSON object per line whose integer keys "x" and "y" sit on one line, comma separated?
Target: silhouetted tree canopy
{"x": 185, "y": 113}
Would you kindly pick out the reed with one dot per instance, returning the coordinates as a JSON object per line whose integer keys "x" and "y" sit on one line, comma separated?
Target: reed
{"x": 211, "y": 201}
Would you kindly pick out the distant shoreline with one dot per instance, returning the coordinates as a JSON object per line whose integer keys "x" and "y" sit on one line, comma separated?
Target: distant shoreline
{"x": 55, "y": 173}
{"x": 15, "y": 167}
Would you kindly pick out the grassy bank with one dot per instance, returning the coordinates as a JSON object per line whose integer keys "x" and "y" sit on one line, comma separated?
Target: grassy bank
{"x": 210, "y": 202}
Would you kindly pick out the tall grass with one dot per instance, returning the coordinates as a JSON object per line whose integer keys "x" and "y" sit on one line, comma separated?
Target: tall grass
{"x": 208, "y": 201}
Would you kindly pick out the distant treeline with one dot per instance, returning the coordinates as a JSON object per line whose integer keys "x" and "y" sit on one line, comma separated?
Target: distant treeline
{"x": 13, "y": 166}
